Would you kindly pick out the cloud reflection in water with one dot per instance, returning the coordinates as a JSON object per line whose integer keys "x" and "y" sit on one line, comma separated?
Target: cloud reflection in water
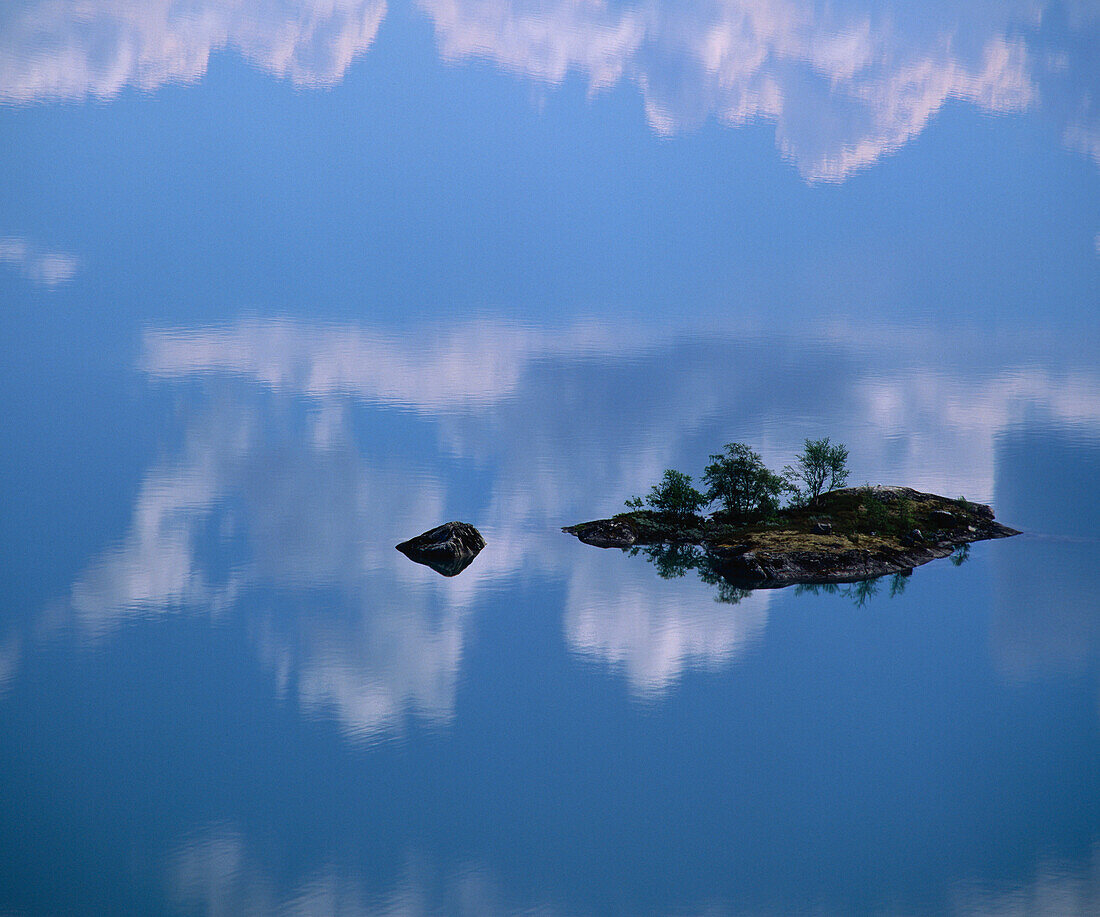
{"x": 215, "y": 871}
{"x": 48, "y": 268}
{"x": 654, "y": 629}
{"x": 274, "y": 463}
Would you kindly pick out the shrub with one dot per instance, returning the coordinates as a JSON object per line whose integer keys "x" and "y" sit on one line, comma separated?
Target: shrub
{"x": 674, "y": 495}
{"x": 905, "y": 521}
{"x": 740, "y": 481}
{"x": 820, "y": 463}
{"x": 876, "y": 517}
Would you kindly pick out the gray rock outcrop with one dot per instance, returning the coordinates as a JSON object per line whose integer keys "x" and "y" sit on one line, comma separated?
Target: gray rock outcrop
{"x": 448, "y": 549}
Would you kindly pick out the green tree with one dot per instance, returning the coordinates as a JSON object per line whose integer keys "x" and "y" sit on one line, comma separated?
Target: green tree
{"x": 739, "y": 480}
{"x": 674, "y": 495}
{"x": 820, "y": 463}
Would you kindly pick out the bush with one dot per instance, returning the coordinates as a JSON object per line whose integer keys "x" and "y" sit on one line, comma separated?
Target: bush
{"x": 875, "y": 516}
{"x": 819, "y": 464}
{"x": 740, "y": 481}
{"x": 674, "y": 496}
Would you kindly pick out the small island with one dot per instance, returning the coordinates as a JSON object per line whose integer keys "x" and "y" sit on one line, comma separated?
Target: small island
{"x": 798, "y": 527}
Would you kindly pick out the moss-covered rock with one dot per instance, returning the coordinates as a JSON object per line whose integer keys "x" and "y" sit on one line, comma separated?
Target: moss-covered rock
{"x": 843, "y": 536}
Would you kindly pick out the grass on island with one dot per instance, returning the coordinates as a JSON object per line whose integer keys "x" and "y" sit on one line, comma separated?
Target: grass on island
{"x": 863, "y": 517}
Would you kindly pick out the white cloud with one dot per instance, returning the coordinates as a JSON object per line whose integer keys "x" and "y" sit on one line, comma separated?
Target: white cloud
{"x": 844, "y": 83}
{"x": 67, "y": 49}
{"x": 46, "y": 267}
{"x": 842, "y": 91}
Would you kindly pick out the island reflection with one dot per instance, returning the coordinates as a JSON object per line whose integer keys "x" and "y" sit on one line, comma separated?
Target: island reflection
{"x": 673, "y": 561}
{"x": 844, "y": 84}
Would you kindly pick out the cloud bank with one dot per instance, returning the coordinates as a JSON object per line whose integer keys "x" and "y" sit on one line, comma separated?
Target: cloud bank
{"x": 67, "y": 49}
{"x": 844, "y": 83}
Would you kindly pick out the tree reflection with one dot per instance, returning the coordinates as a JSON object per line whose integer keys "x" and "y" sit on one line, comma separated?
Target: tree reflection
{"x": 861, "y": 592}
{"x": 676, "y": 560}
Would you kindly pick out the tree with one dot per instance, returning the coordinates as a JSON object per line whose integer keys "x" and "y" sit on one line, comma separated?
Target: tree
{"x": 819, "y": 463}
{"x": 739, "y": 480}
{"x": 674, "y": 495}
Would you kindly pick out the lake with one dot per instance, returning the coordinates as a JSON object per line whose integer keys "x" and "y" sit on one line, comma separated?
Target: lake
{"x": 288, "y": 282}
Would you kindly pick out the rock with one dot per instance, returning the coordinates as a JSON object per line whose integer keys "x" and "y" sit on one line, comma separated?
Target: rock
{"x": 767, "y": 554}
{"x": 604, "y": 533}
{"x": 448, "y": 549}
{"x": 883, "y": 493}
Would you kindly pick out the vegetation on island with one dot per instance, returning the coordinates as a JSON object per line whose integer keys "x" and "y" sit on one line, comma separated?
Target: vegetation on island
{"x": 744, "y": 488}
{"x": 747, "y": 526}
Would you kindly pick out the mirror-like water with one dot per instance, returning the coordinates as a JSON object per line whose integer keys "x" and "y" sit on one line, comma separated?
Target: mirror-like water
{"x": 288, "y": 283}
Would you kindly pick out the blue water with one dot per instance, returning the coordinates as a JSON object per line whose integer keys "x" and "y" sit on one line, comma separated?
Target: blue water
{"x": 285, "y": 283}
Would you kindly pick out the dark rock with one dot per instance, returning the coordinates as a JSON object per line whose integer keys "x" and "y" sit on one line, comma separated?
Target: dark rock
{"x": 883, "y": 493}
{"x": 448, "y": 549}
{"x": 765, "y": 554}
{"x": 604, "y": 533}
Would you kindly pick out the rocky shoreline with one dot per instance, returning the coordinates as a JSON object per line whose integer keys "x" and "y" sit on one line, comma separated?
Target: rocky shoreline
{"x": 845, "y": 536}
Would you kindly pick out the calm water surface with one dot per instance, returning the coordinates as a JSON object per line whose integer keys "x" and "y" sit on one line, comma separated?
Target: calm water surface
{"x": 284, "y": 283}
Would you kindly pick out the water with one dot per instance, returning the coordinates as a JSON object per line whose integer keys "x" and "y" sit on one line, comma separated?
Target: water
{"x": 285, "y": 284}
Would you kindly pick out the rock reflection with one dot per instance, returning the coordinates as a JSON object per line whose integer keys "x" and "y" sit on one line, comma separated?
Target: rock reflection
{"x": 676, "y": 560}
{"x": 861, "y": 592}
{"x": 843, "y": 83}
